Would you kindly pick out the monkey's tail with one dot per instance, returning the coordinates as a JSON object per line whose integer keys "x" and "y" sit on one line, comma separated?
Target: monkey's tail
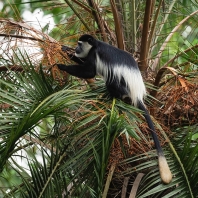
{"x": 164, "y": 170}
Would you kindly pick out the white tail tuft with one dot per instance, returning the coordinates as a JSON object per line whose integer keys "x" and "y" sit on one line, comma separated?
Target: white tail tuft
{"x": 164, "y": 170}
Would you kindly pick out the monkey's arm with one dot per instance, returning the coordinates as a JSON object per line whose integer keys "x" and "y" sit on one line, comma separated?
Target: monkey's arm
{"x": 80, "y": 71}
{"x": 71, "y": 55}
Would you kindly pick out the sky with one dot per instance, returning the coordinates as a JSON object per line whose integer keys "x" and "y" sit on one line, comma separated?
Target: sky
{"x": 37, "y": 19}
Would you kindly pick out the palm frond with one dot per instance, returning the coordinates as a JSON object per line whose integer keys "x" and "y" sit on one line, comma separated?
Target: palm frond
{"x": 89, "y": 146}
{"x": 182, "y": 185}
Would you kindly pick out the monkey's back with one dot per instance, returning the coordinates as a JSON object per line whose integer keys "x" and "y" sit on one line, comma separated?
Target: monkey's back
{"x": 118, "y": 66}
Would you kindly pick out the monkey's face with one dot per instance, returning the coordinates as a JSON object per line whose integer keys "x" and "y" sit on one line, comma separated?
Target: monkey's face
{"x": 82, "y": 49}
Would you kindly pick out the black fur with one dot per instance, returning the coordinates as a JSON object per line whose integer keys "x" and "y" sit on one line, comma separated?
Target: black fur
{"x": 111, "y": 56}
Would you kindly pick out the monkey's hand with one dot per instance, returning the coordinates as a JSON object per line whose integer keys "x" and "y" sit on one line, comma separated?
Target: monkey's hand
{"x": 64, "y": 48}
{"x": 61, "y": 66}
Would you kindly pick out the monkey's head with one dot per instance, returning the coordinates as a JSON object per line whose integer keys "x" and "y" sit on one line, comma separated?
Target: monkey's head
{"x": 85, "y": 43}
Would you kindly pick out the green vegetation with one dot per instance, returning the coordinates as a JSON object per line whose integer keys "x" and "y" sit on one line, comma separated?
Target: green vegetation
{"x": 63, "y": 137}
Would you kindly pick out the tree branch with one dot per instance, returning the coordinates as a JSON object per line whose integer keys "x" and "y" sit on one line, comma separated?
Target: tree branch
{"x": 12, "y": 68}
{"x": 118, "y": 26}
{"x": 98, "y": 19}
{"x": 22, "y": 37}
{"x": 145, "y": 32}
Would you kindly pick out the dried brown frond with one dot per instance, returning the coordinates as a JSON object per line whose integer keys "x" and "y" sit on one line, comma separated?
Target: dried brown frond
{"x": 180, "y": 102}
{"x": 133, "y": 148}
{"x": 40, "y": 47}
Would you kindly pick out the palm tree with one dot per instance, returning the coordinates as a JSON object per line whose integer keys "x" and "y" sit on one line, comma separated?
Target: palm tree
{"x": 63, "y": 137}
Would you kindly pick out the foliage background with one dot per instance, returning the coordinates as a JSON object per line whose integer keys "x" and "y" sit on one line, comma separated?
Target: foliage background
{"x": 62, "y": 136}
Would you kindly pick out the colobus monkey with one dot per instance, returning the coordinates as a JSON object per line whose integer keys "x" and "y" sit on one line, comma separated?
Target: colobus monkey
{"x": 122, "y": 77}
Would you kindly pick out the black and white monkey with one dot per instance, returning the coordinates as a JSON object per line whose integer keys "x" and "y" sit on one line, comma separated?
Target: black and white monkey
{"x": 122, "y": 77}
